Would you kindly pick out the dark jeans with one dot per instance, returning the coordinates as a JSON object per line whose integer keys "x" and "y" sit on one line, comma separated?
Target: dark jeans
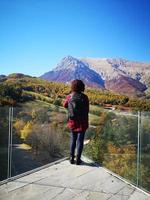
{"x": 77, "y": 138}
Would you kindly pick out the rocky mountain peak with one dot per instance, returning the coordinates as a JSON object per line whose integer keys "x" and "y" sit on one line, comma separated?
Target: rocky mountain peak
{"x": 69, "y": 58}
{"x": 117, "y": 63}
{"x": 71, "y": 68}
{"x": 70, "y": 62}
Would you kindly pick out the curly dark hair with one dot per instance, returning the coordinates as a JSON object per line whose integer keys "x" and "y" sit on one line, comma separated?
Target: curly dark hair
{"x": 77, "y": 86}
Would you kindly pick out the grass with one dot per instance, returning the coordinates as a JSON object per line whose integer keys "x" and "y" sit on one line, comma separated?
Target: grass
{"x": 42, "y": 104}
{"x": 94, "y": 119}
{"x": 96, "y": 110}
{"x": 37, "y": 96}
{"x": 35, "y": 104}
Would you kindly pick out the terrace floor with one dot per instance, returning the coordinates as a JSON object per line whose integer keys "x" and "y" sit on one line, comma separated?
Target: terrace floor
{"x": 64, "y": 181}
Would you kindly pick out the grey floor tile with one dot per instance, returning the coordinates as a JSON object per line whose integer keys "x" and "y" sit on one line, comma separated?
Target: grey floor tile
{"x": 64, "y": 181}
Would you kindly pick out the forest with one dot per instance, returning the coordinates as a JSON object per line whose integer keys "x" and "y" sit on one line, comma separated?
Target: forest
{"x": 39, "y": 122}
{"x": 19, "y": 88}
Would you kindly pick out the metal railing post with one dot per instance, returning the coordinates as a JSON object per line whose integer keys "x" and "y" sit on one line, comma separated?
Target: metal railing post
{"x": 138, "y": 149}
{"x": 10, "y": 143}
{"x": 8, "y": 158}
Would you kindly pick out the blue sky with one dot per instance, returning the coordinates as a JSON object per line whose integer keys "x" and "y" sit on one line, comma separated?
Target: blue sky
{"x": 36, "y": 34}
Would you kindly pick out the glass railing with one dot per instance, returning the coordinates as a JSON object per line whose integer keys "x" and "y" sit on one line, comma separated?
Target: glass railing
{"x": 121, "y": 143}
{"x": 32, "y": 136}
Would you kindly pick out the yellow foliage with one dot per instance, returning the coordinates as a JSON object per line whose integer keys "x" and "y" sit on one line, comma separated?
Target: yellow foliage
{"x": 121, "y": 160}
{"x": 18, "y": 125}
{"x": 26, "y": 130}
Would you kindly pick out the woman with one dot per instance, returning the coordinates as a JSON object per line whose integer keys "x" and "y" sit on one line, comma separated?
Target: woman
{"x": 77, "y": 104}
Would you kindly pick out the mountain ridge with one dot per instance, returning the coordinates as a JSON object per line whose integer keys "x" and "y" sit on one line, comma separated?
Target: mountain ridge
{"x": 132, "y": 76}
{"x": 71, "y": 68}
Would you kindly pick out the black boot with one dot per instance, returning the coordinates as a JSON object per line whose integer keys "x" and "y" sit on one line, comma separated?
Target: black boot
{"x": 71, "y": 159}
{"x": 78, "y": 161}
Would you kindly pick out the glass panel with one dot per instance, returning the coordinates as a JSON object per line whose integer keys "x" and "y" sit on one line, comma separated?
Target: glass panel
{"x": 112, "y": 142}
{"x": 144, "y": 175}
{"x": 40, "y": 136}
{"x": 4, "y": 131}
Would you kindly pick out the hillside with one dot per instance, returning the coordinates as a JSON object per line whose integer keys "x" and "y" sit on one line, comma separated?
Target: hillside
{"x": 17, "y": 89}
{"x": 125, "y": 85}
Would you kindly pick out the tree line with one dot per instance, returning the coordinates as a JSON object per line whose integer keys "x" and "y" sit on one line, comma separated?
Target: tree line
{"x": 18, "y": 89}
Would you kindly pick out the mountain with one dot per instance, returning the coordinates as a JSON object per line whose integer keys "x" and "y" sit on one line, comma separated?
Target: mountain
{"x": 2, "y": 77}
{"x": 122, "y": 76}
{"x": 71, "y": 68}
{"x": 113, "y": 68}
{"x": 125, "y": 85}
{"x": 118, "y": 75}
